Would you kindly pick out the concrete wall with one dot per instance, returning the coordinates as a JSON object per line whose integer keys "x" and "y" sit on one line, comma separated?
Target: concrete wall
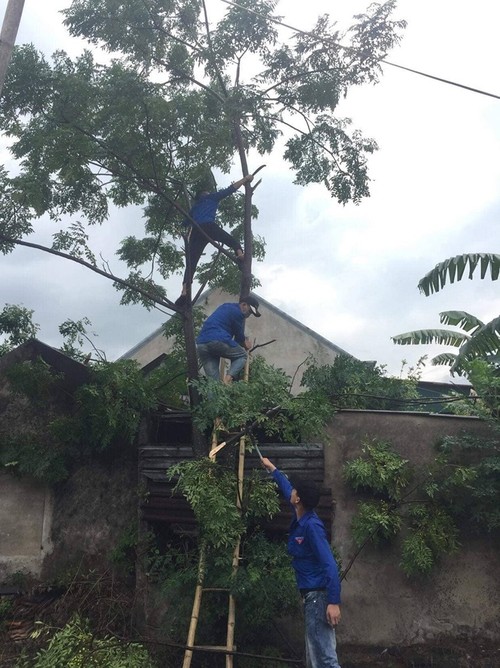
{"x": 93, "y": 510}
{"x": 43, "y": 532}
{"x": 381, "y": 606}
{"x": 294, "y": 341}
{"x": 26, "y": 510}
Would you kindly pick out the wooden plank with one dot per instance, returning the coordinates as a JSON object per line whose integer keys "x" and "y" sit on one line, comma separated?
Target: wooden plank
{"x": 282, "y": 452}
{"x": 164, "y": 463}
{"x": 293, "y": 449}
{"x": 171, "y": 503}
{"x": 177, "y": 450}
{"x": 316, "y": 457}
{"x": 162, "y": 454}
{"x": 156, "y": 476}
{"x": 160, "y": 488}
{"x": 176, "y": 510}
{"x": 169, "y": 516}
{"x": 154, "y": 515}
{"x": 293, "y": 467}
{"x": 164, "y": 505}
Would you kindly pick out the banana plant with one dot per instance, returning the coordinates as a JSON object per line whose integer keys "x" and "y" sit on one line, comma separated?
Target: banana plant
{"x": 453, "y": 269}
{"x": 476, "y": 339}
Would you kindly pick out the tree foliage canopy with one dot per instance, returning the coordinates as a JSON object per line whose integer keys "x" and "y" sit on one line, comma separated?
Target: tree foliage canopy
{"x": 351, "y": 383}
{"x": 428, "y": 506}
{"x": 17, "y": 326}
{"x": 103, "y": 415}
{"x": 178, "y": 96}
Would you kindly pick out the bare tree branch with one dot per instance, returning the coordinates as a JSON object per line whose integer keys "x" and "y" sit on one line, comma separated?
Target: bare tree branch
{"x": 157, "y": 299}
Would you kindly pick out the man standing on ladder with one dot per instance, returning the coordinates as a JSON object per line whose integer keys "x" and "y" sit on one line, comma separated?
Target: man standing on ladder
{"x": 223, "y": 336}
{"x": 315, "y": 568}
{"x": 203, "y": 212}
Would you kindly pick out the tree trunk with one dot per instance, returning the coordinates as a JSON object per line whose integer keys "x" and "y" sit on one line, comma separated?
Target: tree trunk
{"x": 10, "y": 26}
{"x": 246, "y": 277}
{"x": 200, "y": 445}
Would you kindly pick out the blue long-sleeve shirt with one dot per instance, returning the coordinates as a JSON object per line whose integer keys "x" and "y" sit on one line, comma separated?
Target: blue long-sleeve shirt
{"x": 312, "y": 558}
{"x": 227, "y": 324}
{"x": 204, "y": 209}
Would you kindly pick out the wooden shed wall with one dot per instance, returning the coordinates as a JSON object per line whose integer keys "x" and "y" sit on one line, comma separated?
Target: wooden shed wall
{"x": 162, "y": 504}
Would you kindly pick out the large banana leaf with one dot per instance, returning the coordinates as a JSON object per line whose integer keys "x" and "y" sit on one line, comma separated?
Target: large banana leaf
{"x": 444, "y": 359}
{"x": 453, "y": 270}
{"x": 462, "y": 319}
{"x": 484, "y": 343}
{"x": 446, "y": 337}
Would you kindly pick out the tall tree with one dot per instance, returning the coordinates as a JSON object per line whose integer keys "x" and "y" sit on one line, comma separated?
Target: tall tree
{"x": 181, "y": 96}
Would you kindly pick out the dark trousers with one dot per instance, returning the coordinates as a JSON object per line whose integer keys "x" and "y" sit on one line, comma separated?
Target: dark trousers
{"x": 198, "y": 242}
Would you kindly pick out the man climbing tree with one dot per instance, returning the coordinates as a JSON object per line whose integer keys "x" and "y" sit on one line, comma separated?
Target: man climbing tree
{"x": 206, "y": 229}
{"x": 223, "y": 336}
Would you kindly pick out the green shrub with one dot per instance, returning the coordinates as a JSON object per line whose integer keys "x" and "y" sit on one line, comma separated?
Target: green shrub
{"x": 75, "y": 646}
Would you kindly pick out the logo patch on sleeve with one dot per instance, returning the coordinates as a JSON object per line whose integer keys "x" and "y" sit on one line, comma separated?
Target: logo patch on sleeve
{"x": 299, "y": 539}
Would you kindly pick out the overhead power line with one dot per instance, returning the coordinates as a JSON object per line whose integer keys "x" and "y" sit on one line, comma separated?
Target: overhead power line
{"x": 350, "y": 48}
{"x": 446, "y": 81}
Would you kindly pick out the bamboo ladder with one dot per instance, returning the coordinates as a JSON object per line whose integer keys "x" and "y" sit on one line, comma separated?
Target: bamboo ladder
{"x": 200, "y": 588}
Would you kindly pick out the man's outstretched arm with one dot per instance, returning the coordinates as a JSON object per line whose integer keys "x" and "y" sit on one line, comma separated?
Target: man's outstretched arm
{"x": 245, "y": 179}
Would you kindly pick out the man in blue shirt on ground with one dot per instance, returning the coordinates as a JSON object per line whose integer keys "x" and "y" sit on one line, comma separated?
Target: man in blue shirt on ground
{"x": 223, "y": 335}
{"x": 315, "y": 568}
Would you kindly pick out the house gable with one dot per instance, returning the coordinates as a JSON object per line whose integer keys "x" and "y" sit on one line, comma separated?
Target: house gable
{"x": 292, "y": 342}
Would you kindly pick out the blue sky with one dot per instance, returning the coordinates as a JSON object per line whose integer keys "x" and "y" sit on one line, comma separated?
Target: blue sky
{"x": 348, "y": 272}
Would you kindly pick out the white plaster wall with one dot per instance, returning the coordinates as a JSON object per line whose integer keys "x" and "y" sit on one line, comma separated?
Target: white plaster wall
{"x": 26, "y": 509}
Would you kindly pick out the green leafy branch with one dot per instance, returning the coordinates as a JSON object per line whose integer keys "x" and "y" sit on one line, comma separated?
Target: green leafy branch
{"x": 75, "y": 646}
{"x": 406, "y": 505}
{"x": 211, "y": 491}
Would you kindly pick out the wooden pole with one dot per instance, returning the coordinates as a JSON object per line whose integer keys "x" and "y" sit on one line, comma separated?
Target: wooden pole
{"x": 188, "y": 654}
{"x": 10, "y": 26}
{"x": 231, "y": 617}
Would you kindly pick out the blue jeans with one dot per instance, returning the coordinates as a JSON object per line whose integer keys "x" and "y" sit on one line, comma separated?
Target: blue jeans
{"x": 210, "y": 354}
{"x": 321, "y": 644}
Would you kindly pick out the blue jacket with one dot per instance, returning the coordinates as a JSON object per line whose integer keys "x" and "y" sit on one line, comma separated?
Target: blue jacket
{"x": 227, "y": 324}
{"x": 205, "y": 207}
{"x": 312, "y": 559}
